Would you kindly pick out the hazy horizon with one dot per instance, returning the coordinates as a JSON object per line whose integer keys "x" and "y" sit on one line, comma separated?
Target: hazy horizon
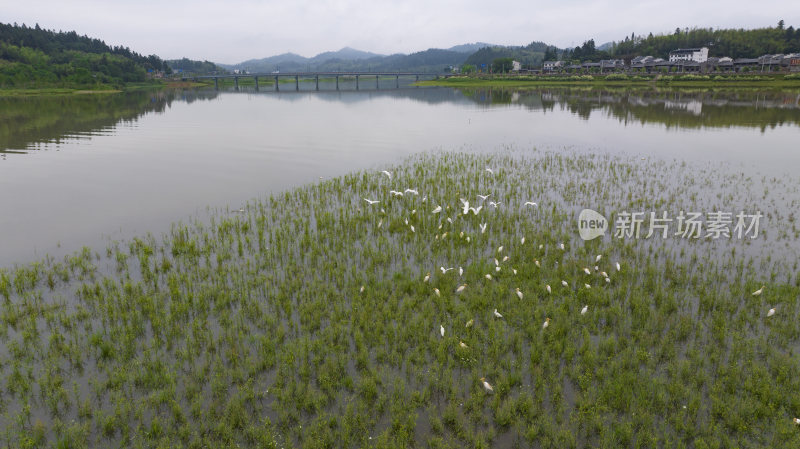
{"x": 250, "y": 29}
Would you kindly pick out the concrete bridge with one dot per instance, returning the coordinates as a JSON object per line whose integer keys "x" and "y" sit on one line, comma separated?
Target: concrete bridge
{"x": 312, "y": 75}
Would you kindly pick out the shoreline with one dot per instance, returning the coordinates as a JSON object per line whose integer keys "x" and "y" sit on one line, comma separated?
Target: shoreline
{"x": 747, "y": 81}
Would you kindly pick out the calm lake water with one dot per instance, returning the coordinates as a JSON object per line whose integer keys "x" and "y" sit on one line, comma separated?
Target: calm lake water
{"x": 84, "y": 170}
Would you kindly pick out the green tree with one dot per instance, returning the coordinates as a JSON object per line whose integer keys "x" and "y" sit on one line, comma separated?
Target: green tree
{"x": 468, "y": 69}
{"x": 502, "y": 65}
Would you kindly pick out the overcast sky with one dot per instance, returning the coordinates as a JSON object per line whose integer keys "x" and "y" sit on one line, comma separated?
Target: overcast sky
{"x": 236, "y": 30}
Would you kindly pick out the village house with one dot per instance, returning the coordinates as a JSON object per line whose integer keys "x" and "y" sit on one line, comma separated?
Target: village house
{"x": 689, "y": 54}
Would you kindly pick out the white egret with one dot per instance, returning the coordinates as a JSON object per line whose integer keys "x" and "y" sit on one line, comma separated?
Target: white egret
{"x": 500, "y": 249}
{"x": 491, "y": 172}
{"x": 412, "y": 228}
{"x": 604, "y": 274}
{"x": 441, "y": 330}
{"x": 437, "y": 210}
{"x": 396, "y": 193}
{"x": 531, "y": 203}
{"x": 759, "y": 291}
{"x": 483, "y": 197}
{"x": 771, "y": 312}
{"x": 587, "y": 285}
{"x": 461, "y": 288}
{"x": 496, "y": 268}
{"x": 371, "y": 202}
{"x": 587, "y": 271}
{"x": 436, "y": 290}
{"x": 505, "y": 258}
{"x": 486, "y": 385}
{"x": 462, "y": 344}
{"x": 796, "y": 421}
{"x": 380, "y": 223}
{"x": 561, "y": 245}
{"x": 483, "y": 227}
{"x": 546, "y": 323}
{"x": 608, "y": 280}
{"x": 522, "y": 241}
{"x": 466, "y": 208}
{"x": 411, "y": 191}
{"x": 361, "y": 290}
{"x": 488, "y": 276}
{"x": 549, "y": 290}
{"x": 460, "y": 271}
{"x": 618, "y": 267}
{"x": 445, "y": 270}
{"x": 519, "y": 294}
{"x": 493, "y": 204}
{"x": 564, "y": 283}
{"x": 470, "y": 323}
{"x": 514, "y": 270}
{"x": 496, "y": 262}
{"x": 387, "y": 173}
{"x": 597, "y": 259}
{"x": 536, "y": 262}
{"x": 427, "y": 277}
{"x": 475, "y": 210}
{"x": 584, "y": 310}
{"x": 497, "y": 314}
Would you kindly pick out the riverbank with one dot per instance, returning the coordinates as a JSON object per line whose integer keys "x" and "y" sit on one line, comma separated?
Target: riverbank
{"x": 686, "y": 80}
{"x": 102, "y": 90}
{"x": 312, "y": 318}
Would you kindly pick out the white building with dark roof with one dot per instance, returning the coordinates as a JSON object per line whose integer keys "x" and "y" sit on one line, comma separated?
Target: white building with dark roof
{"x": 689, "y": 54}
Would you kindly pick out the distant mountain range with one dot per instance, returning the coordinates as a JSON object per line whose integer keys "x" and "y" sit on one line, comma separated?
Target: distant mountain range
{"x": 432, "y": 60}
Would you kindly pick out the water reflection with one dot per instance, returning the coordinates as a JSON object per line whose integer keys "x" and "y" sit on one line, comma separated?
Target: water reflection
{"x": 27, "y": 121}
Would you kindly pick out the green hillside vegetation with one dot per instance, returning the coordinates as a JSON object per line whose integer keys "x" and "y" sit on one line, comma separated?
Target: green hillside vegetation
{"x": 36, "y": 58}
{"x": 736, "y": 43}
{"x": 530, "y": 55}
{"x": 195, "y": 67}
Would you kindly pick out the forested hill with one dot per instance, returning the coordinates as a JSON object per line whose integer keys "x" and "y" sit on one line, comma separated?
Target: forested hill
{"x": 736, "y": 43}
{"x": 36, "y": 57}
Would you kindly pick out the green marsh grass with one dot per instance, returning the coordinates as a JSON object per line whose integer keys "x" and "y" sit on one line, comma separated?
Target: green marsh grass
{"x": 251, "y": 329}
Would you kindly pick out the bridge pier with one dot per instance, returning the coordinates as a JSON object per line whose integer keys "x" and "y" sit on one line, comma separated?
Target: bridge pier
{"x": 377, "y": 82}
{"x": 356, "y": 82}
{"x": 397, "y": 81}
{"x": 255, "y": 78}
{"x": 276, "y": 83}
{"x": 316, "y": 80}
{"x": 236, "y": 83}
{"x": 296, "y": 82}
{"x": 216, "y": 83}
{"x": 337, "y": 82}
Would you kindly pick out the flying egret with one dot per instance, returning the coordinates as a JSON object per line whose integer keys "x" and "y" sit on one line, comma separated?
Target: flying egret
{"x": 759, "y": 291}
{"x": 396, "y": 193}
{"x": 466, "y": 208}
{"x": 437, "y": 210}
{"x": 497, "y": 314}
{"x": 476, "y": 210}
{"x": 771, "y": 312}
{"x": 549, "y": 290}
{"x": 519, "y": 294}
{"x": 427, "y": 277}
{"x": 470, "y": 323}
{"x": 546, "y": 323}
{"x": 445, "y": 270}
{"x": 371, "y": 202}
{"x": 483, "y": 197}
{"x": 483, "y": 227}
{"x": 388, "y": 174}
{"x": 461, "y": 288}
{"x": 531, "y": 203}
{"x": 486, "y": 385}
{"x": 584, "y": 310}
{"x": 493, "y": 204}
{"x": 411, "y": 191}
{"x": 441, "y": 330}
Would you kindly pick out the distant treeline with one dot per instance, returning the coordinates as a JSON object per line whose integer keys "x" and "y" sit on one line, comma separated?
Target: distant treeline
{"x": 35, "y": 57}
{"x": 194, "y": 67}
{"x": 735, "y": 43}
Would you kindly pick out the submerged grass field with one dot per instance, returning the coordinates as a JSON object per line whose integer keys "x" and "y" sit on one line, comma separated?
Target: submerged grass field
{"x": 314, "y": 319}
